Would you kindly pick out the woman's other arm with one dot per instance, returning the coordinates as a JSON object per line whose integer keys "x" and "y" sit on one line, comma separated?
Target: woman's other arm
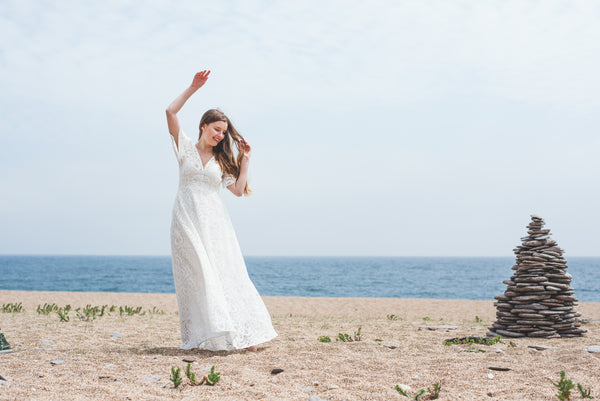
{"x": 237, "y": 188}
{"x": 172, "y": 120}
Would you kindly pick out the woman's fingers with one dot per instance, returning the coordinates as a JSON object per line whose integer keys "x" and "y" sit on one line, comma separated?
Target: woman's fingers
{"x": 200, "y": 78}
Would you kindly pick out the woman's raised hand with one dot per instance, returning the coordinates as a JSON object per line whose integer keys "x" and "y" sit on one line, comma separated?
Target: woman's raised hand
{"x": 200, "y": 79}
{"x": 245, "y": 147}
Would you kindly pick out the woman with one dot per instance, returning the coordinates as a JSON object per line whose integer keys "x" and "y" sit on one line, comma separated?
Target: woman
{"x": 219, "y": 307}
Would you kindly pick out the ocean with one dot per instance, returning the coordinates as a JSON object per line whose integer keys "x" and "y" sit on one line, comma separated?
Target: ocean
{"x": 403, "y": 277}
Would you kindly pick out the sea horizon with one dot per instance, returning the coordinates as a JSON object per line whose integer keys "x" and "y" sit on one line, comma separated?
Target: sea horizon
{"x": 453, "y": 277}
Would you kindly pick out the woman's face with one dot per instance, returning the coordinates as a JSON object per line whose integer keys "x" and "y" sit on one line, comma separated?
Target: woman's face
{"x": 214, "y": 133}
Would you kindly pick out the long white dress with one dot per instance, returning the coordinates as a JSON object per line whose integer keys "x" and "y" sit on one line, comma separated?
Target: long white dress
{"x": 219, "y": 307}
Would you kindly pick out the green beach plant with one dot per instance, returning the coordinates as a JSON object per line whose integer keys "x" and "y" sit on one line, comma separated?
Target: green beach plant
{"x": 432, "y": 393}
{"x": 175, "y": 376}
{"x": 191, "y": 375}
{"x": 393, "y": 317}
{"x": 564, "y": 387}
{"x": 130, "y": 311}
{"x": 435, "y": 393}
{"x": 63, "y": 315}
{"x": 344, "y": 337}
{"x": 12, "y": 307}
{"x": 47, "y": 309}
{"x": 402, "y": 391}
{"x": 473, "y": 340}
{"x": 584, "y": 393}
{"x": 156, "y": 311}
{"x": 357, "y": 334}
{"x": 324, "y": 339}
{"x": 213, "y": 377}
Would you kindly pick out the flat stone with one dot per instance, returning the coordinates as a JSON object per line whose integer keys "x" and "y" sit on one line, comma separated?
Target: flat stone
{"x": 47, "y": 342}
{"x": 276, "y": 371}
{"x": 529, "y": 288}
{"x": 507, "y": 333}
{"x": 152, "y": 378}
{"x": 541, "y": 333}
{"x": 541, "y": 347}
{"x": 188, "y": 360}
{"x": 531, "y": 315}
{"x": 531, "y": 297}
{"x": 498, "y": 368}
{"x": 117, "y": 335}
{"x": 537, "y": 279}
{"x": 535, "y": 322}
{"x": 593, "y": 348}
{"x": 57, "y": 361}
{"x": 308, "y": 389}
{"x": 435, "y": 328}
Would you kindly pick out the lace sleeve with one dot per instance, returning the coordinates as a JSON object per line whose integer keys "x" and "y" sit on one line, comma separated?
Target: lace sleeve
{"x": 183, "y": 142}
{"x": 228, "y": 180}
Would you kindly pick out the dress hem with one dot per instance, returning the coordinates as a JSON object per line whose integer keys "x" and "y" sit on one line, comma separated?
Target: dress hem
{"x": 252, "y": 343}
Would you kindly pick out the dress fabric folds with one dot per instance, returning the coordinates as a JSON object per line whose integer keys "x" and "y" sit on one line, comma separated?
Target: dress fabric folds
{"x": 219, "y": 307}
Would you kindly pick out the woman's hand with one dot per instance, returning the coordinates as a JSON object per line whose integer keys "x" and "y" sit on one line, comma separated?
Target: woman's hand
{"x": 200, "y": 79}
{"x": 245, "y": 147}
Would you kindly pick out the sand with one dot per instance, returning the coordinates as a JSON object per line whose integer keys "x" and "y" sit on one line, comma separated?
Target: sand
{"x": 136, "y": 366}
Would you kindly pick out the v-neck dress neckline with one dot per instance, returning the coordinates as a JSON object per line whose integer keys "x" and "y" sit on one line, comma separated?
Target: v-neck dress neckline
{"x": 200, "y": 157}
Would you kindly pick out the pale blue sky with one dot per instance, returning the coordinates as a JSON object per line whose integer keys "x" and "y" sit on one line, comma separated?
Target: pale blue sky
{"x": 410, "y": 128}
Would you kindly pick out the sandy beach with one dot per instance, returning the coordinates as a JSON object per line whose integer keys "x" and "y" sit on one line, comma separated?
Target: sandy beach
{"x": 116, "y": 357}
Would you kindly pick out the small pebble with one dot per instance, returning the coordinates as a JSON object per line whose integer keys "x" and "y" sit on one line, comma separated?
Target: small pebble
{"x": 2, "y": 378}
{"x": 57, "y": 361}
{"x": 117, "y": 335}
{"x": 593, "y": 348}
{"x": 188, "y": 360}
{"x": 276, "y": 371}
{"x": 152, "y": 378}
{"x": 333, "y": 387}
{"x": 109, "y": 365}
{"x": 490, "y": 376}
{"x": 499, "y": 351}
{"x": 47, "y": 342}
{"x": 308, "y": 389}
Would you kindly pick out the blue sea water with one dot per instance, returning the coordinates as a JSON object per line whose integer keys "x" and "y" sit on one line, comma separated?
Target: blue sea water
{"x": 403, "y": 277}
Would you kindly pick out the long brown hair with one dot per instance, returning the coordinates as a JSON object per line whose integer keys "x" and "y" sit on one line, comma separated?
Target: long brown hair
{"x": 224, "y": 154}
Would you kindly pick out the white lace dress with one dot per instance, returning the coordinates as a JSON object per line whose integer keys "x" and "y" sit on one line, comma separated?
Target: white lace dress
{"x": 219, "y": 307}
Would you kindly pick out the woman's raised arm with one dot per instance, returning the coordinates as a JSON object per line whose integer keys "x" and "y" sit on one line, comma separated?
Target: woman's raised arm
{"x": 172, "y": 120}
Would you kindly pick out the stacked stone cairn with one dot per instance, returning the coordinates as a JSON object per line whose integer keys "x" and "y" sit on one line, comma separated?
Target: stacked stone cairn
{"x": 538, "y": 301}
